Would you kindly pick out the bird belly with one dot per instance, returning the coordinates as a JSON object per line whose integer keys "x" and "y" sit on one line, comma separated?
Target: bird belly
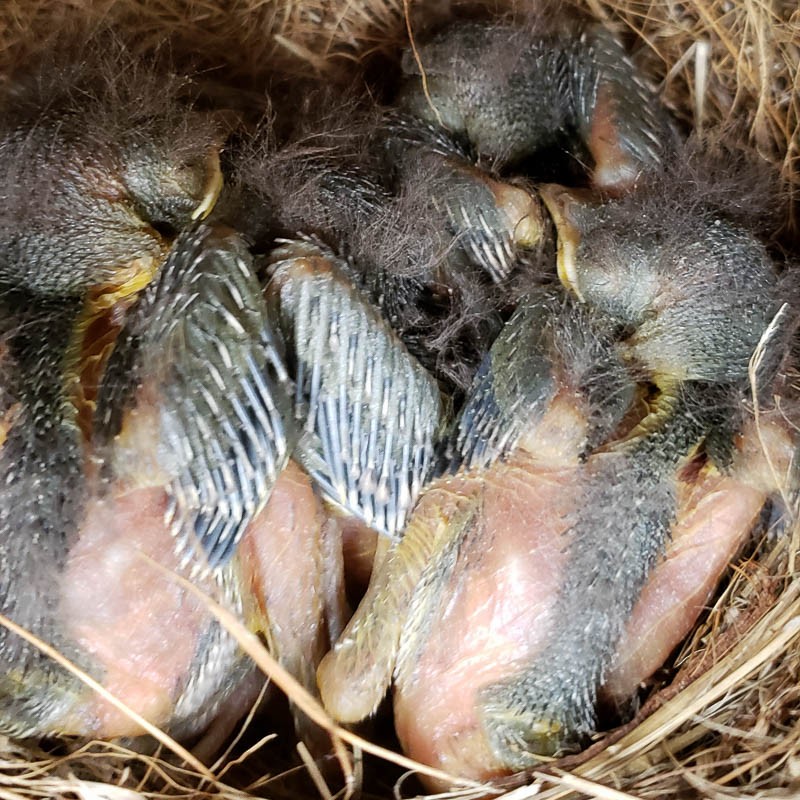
{"x": 135, "y": 621}
{"x": 495, "y": 614}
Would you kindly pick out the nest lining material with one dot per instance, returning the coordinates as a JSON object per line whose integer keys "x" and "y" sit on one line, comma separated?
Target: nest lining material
{"x": 728, "y": 722}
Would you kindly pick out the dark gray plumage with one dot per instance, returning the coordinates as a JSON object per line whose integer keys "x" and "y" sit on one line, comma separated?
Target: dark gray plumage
{"x": 199, "y": 338}
{"x": 41, "y": 501}
{"x": 101, "y": 162}
{"x": 512, "y": 92}
{"x": 691, "y": 291}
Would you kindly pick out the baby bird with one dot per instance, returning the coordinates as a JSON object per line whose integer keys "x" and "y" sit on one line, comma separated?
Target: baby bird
{"x": 175, "y": 465}
{"x": 501, "y": 611}
{"x": 102, "y": 161}
{"x": 691, "y": 291}
{"x": 512, "y": 92}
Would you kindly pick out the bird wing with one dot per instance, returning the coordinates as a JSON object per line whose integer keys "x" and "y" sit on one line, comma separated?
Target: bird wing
{"x": 512, "y": 386}
{"x": 370, "y": 413}
{"x": 199, "y": 336}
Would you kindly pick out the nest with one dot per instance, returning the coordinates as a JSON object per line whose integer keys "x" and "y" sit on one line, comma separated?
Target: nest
{"x": 726, "y": 720}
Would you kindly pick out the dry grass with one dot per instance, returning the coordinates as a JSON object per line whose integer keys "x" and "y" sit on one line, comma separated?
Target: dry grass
{"x": 728, "y": 724}
{"x": 729, "y": 64}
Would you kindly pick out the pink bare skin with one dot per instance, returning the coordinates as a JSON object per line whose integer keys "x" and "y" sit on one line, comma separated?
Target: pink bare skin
{"x": 139, "y": 626}
{"x": 292, "y": 560}
{"x": 142, "y": 630}
{"x": 716, "y": 517}
{"x": 496, "y": 614}
{"x": 716, "y": 514}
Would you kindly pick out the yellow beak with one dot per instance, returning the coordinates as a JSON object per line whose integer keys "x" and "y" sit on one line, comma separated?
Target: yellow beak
{"x": 557, "y": 199}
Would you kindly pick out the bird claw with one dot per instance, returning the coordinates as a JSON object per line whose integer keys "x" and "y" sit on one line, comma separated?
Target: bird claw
{"x": 520, "y": 738}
